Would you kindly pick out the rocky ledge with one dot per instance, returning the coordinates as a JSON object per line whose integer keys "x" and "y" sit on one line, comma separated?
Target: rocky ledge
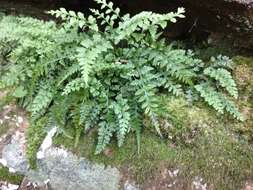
{"x": 59, "y": 169}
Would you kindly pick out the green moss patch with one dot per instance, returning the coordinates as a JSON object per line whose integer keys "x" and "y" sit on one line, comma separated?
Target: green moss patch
{"x": 219, "y": 158}
{"x": 3, "y": 129}
{"x": 5, "y": 175}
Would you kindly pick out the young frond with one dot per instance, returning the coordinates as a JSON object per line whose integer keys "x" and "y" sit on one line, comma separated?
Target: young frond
{"x": 145, "y": 21}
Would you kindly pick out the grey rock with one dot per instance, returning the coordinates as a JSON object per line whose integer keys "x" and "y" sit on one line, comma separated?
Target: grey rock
{"x": 130, "y": 186}
{"x": 62, "y": 170}
{"x": 15, "y": 157}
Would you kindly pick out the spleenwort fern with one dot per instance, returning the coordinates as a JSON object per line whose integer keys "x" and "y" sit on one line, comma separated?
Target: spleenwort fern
{"x": 224, "y": 78}
{"x": 107, "y": 71}
{"x": 89, "y": 52}
{"x": 217, "y": 100}
{"x": 121, "y": 110}
{"x": 41, "y": 100}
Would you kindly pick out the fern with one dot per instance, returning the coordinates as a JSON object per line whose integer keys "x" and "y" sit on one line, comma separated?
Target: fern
{"x": 218, "y": 101}
{"x": 224, "y": 78}
{"x": 121, "y": 110}
{"x": 41, "y": 100}
{"x": 89, "y": 52}
{"x": 68, "y": 72}
{"x": 105, "y": 133}
{"x": 107, "y": 71}
{"x": 74, "y": 85}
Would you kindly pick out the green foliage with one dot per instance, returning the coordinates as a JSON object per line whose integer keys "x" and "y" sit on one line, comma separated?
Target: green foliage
{"x": 217, "y": 100}
{"x": 224, "y": 78}
{"x": 41, "y": 100}
{"x": 107, "y": 71}
{"x": 34, "y": 136}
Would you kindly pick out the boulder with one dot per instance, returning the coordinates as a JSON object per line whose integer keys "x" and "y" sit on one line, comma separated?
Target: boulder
{"x": 60, "y": 169}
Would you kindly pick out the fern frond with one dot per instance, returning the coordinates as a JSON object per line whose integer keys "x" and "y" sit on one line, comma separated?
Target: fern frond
{"x": 89, "y": 52}
{"x": 136, "y": 123}
{"x": 218, "y": 101}
{"x": 42, "y": 100}
{"x": 93, "y": 118}
{"x": 68, "y": 72}
{"x": 121, "y": 110}
{"x": 224, "y": 78}
{"x": 144, "y": 21}
{"x": 74, "y": 85}
{"x": 222, "y": 61}
{"x": 174, "y": 88}
{"x": 105, "y": 133}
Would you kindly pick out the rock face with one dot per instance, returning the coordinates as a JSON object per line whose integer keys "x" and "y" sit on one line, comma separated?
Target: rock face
{"x": 231, "y": 18}
{"x": 61, "y": 170}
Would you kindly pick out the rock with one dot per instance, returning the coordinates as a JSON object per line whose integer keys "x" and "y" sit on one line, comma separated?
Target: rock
{"x": 248, "y": 186}
{"x": 229, "y": 20}
{"x": 130, "y": 186}
{"x": 15, "y": 157}
{"x": 61, "y": 170}
{"x": 47, "y": 143}
{"x": 8, "y": 186}
{"x": 233, "y": 19}
{"x": 198, "y": 184}
{"x": 64, "y": 171}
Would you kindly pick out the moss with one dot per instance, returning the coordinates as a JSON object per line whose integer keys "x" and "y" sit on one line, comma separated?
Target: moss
{"x": 243, "y": 60}
{"x": 5, "y": 175}
{"x": 142, "y": 166}
{"x": 188, "y": 113}
{"x": 190, "y": 120}
{"x": 219, "y": 158}
{"x": 211, "y": 148}
{"x": 35, "y": 135}
{"x": 208, "y": 148}
{"x": 214, "y": 154}
{"x": 243, "y": 72}
{"x": 3, "y": 129}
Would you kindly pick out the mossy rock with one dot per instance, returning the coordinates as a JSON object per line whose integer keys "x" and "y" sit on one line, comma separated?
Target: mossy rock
{"x": 244, "y": 71}
{"x": 140, "y": 166}
{"x": 208, "y": 148}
